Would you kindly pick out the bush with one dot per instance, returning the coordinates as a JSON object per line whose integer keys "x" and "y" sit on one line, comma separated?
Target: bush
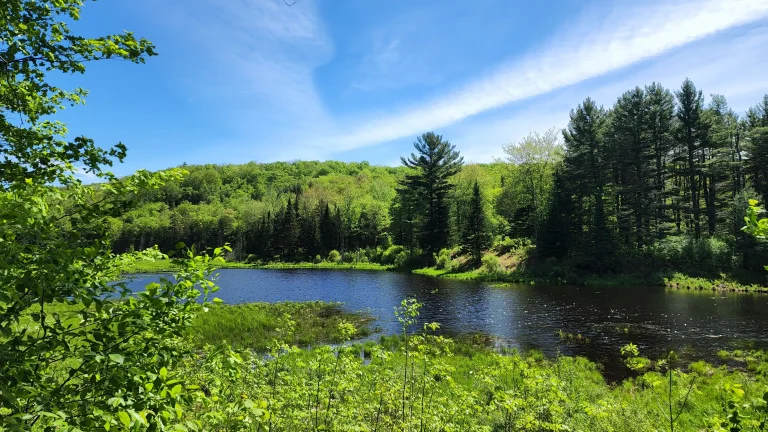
{"x": 334, "y": 256}
{"x": 706, "y": 256}
{"x": 508, "y": 245}
{"x": 444, "y": 260}
{"x": 401, "y": 259}
{"x": 390, "y": 255}
{"x": 491, "y": 264}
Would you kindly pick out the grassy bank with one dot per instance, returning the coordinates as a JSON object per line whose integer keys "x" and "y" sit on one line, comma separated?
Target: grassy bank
{"x": 162, "y": 266}
{"x": 528, "y": 278}
{"x": 252, "y": 326}
{"x": 434, "y": 384}
{"x": 256, "y": 325}
{"x": 682, "y": 282}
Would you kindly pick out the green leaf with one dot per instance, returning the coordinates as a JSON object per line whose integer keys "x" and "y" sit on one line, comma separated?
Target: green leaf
{"x": 116, "y": 358}
{"x": 163, "y": 373}
{"x": 124, "y": 418}
{"x": 176, "y": 390}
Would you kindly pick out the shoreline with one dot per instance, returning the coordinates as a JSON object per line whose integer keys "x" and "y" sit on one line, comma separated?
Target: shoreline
{"x": 673, "y": 281}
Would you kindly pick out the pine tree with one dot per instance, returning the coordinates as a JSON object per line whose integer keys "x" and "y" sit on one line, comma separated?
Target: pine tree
{"x": 434, "y": 162}
{"x": 690, "y": 135}
{"x": 557, "y": 231}
{"x": 757, "y": 147}
{"x": 633, "y": 153}
{"x": 476, "y": 234}
{"x": 310, "y": 240}
{"x": 588, "y": 171}
{"x": 661, "y": 106}
{"x": 328, "y": 233}
{"x": 403, "y": 212}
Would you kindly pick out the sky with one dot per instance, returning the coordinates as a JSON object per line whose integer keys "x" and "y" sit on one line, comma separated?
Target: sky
{"x": 353, "y": 80}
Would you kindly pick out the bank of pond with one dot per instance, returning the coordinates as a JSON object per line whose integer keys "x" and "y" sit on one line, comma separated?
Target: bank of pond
{"x": 670, "y": 280}
{"x": 419, "y": 380}
{"x": 318, "y": 349}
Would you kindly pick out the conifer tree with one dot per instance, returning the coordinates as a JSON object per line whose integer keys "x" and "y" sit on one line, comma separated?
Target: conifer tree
{"x": 434, "y": 162}
{"x": 690, "y": 135}
{"x": 476, "y": 234}
{"x": 588, "y": 171}
{"x": 661, "y": 106}
{"x": 757, "y": 147}
{"x": 633, "y": 154}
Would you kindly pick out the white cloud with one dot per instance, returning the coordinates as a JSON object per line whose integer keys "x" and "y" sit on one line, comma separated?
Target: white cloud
{"x": 257, "y": 58}
{"x": 725, "y": 66}
{"x": 625, "y": 37}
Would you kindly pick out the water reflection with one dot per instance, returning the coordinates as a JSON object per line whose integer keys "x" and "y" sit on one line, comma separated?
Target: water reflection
{"x": 524, "y": 316}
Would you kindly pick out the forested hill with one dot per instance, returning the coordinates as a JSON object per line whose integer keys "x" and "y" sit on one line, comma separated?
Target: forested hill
{"x": 662, "y": 177}
{"x": 291, "y": 210}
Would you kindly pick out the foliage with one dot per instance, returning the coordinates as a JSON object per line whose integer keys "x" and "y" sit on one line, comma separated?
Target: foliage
{"x": 426, "y": 382}
{"x": 426, "y": 189}
{"x": 444, "y": 260}
{"x": 476, "y": 233}
{"x": 80, "y": 351}
{"x": 334, "y": 256}
{"x": 755, "y": 226}
{"x": 534, "y": 158}
{"x": 255, "y": 325}
{"x": 491, "y": 264}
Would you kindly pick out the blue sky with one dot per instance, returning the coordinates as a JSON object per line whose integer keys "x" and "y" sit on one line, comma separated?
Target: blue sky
{"x": 352, "y": 80}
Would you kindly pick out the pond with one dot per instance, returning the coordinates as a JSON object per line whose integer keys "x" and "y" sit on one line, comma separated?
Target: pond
{"x": 525, "y": 316}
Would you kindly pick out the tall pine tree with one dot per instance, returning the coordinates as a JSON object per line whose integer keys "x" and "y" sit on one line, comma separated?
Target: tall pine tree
{"x": 587, "y": 167}
{"x": 434, "y": 162}
{"x": 690, "y": 135}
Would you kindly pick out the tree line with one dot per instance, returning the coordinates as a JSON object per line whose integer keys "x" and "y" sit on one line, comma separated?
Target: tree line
{"x": 658, "y": 169}
{"x": 656, "y": 165}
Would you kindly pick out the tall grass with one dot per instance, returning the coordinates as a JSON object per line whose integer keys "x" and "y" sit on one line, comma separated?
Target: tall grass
{"x": 255, "y": 325}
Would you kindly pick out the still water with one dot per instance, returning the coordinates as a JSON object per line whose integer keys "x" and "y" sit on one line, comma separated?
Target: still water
{"x": 524, "y": 316}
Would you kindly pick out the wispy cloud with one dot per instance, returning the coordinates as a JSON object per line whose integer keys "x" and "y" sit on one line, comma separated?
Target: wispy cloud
{"x": 258, "y": 57}
{"x": 624, "y": 37}
{"x": 727, "y": 66}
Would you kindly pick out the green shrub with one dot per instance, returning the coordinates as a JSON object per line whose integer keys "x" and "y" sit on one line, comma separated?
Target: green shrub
{"x": 444, "y": 261}
{"x": 706, "y": 256}
{"x": 401, "y": 259}
{"x": 508, "y": 245}
{"x": 334, "y": 256}
{"x": 390, "y": 255}
{"x": 491, "y": 264}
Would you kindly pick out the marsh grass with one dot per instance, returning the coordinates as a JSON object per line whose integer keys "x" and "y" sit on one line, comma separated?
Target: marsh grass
{"x": 255, "y": 325}
{"x": 680, "y": 281}
{"x": 420, "y": 382}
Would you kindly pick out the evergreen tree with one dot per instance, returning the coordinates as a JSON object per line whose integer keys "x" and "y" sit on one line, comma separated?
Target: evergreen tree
{"x": 555, "y": 239}
{"x": 690, "y": 134}
{"x": 310, "y": 240}
{"x": 633, "y": 154}
{"x": 403, "y": 211}
{"x": 661, "y": 106}
{"x": 476, "y": 235}
{"x": 434, "y": 162}
{"x": 587, "y": 167}
{"x": 757, "y": 147}
{"x": 328, "y": 232}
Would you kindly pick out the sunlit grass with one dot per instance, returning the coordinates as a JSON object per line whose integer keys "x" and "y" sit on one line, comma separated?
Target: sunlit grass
{"x": 256, "y": 325}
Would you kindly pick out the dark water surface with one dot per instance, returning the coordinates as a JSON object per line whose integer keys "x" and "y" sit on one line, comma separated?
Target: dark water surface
{"x": 524, "y": 316}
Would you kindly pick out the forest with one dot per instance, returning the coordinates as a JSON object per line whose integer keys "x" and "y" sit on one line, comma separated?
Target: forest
{"x": 662, "y": 177}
